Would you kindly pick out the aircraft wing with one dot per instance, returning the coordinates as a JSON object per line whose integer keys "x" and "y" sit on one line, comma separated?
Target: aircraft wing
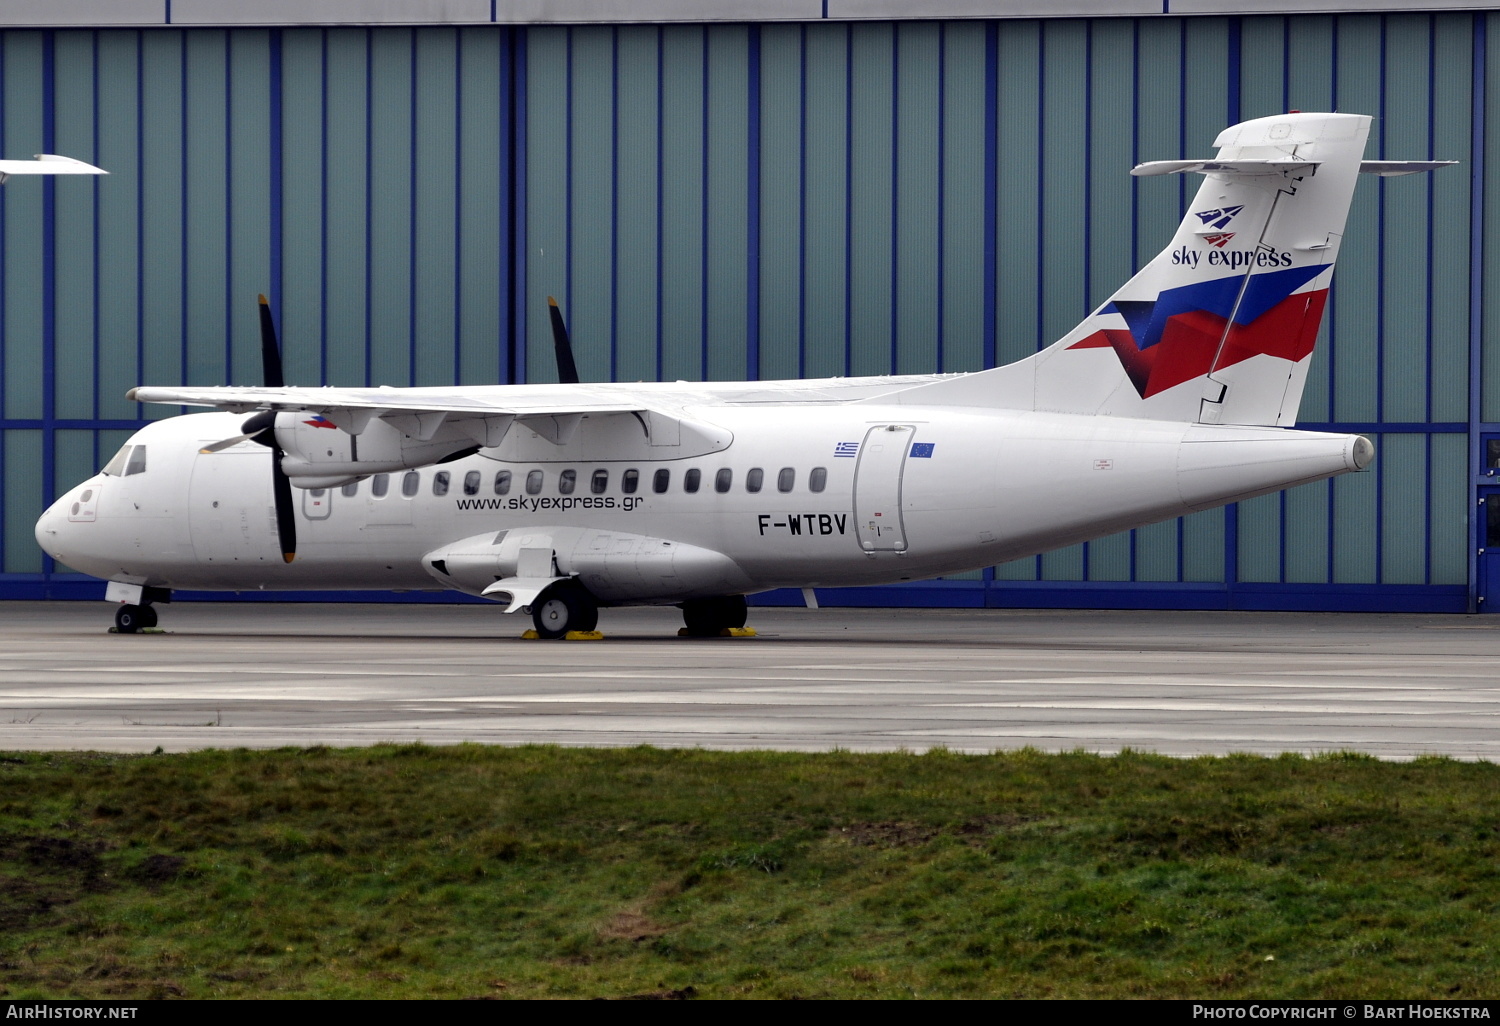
{"x": 483, "y": 413}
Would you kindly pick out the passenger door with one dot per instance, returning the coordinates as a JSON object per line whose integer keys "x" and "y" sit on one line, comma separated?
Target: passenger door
{"x": 877, "y": 487}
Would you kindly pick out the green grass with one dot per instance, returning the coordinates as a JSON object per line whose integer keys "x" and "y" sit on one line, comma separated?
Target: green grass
{"x": 530, "y": 872}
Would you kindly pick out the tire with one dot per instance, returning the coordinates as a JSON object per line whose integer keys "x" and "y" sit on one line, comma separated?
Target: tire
{"x": 565, "y": 606}
{"x": 710, "y": 617}
{"x": 148, "y": 616}
{"x": 130, "y": 619}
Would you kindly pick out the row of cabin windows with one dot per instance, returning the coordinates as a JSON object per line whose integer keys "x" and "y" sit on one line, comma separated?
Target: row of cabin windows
{"x": 567, "y": 481}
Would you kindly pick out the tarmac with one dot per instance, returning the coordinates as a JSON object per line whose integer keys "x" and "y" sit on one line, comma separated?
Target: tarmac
{"x": 264, "y": 675}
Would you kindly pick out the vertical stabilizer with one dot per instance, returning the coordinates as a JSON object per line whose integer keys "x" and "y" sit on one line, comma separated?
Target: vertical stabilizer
{"x": 1220, "y": 326}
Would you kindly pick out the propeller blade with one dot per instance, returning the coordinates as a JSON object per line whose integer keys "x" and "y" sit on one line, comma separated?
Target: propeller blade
{"x": 567, "y": 370}
{"x": 262, "y": 428}
{"x": 286, "y": 512}
{"x": 258, "y": 427}
{"x": 270, "y": 351}
{"x": 227, "y": 443}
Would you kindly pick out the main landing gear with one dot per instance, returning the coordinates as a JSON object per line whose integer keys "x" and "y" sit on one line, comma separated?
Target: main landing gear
{"x": 711, "y": 617}
{"x": 563, "y": 608}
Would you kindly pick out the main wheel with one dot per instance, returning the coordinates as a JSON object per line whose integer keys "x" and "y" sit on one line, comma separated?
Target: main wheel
{"x": 709, "y": 617}
{"x": 130, "y": 619}
{"x": 565, "y": 606}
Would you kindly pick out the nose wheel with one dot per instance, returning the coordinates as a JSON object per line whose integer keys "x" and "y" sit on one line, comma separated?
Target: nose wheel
{"x": 132, "y": 619}
{"x": 565, "y": 606}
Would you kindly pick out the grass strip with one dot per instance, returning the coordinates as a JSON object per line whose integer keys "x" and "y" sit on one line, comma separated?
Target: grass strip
{"x": 469, "y": 871}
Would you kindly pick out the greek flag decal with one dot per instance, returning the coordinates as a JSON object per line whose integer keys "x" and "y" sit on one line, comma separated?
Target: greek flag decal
{"x": 846, "y": 449}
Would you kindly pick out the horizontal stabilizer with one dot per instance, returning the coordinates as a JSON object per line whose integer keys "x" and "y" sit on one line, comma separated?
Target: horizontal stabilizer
{"x": 1392, "y": 168}
{"x": 1251, "y": 168}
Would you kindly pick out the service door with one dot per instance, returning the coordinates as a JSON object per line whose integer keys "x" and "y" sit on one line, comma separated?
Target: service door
{"x": 877, "y": 487}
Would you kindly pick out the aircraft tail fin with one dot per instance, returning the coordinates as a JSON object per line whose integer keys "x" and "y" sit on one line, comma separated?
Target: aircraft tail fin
{"x": 1219, "y": 327}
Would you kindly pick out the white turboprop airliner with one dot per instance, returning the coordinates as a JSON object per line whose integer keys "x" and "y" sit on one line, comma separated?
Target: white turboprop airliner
{"x": 1176, "y": 395}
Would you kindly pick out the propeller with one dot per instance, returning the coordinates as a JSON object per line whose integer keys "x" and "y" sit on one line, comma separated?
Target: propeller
{"x": 567, "y": 370}
{"x": 261, "y": 429}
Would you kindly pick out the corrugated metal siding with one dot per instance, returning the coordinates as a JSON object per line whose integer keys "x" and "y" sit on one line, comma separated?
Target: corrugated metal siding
{"x": 723, "y": 201}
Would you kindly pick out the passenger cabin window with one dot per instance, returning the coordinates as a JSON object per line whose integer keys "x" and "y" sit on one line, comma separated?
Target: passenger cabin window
{"x": 410, "y": 482}
{"x": 723, "y": 479}
{"x": 471, "y": 482}
{"x": 599, "y": 482}
{"x": 660, "y": 480}
{"x": 379, "y": 485}
{"x": 440, "y": 483}
{"x": 754, "y": 479}
{"x": 818, "y": 479}
{"x": 351, "y": 489}
{"x": 786, "y": 479}
{"x": 533, "y": 482}
{"x": 566, "y": 481}
{"x": 502, "y": 483}
{"x": 137, "y": 463}
{"x": 691, "y": 480}
{"x": 630, "y": 481}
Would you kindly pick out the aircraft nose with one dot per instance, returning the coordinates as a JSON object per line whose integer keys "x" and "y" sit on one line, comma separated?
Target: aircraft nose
{"x": 50, "y": 530}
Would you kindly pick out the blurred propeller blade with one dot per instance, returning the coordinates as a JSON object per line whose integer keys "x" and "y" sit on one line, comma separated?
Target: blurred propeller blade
{"x": 261, "y": 427}
{"x": 270, "y": 351}
{"x": 567, "y": 370}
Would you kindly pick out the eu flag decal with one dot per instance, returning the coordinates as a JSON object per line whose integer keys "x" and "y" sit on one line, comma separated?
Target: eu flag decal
{"x": 922, "y": 450}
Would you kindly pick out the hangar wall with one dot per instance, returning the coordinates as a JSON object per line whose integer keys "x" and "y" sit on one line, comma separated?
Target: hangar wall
{"x": 731, "y": 200}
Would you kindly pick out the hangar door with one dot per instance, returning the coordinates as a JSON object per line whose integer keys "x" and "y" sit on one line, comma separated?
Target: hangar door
{"x": 877, "y": 487}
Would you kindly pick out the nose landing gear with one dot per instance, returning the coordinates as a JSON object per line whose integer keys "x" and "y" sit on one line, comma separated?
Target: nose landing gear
{"x": 132, "y": 619}
{"x": 134, "y": 613}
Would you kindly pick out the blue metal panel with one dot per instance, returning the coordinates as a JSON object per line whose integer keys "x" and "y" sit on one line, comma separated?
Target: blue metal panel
{"x": 343, "y": 235}
{"x": 247, "y": 202}
{"x": 22, "y": 477}
{"x": 782, "y": 186}
{"x": 591, "y": 173}
{"x": 118, "y": 237}
{"x": 826, "y": 238}
{"x": 436, "y": 104}
{"x": 962, "y": 313}
{"x": 917, "y": 258}
{"x": 547, "y": 187}
{"x": 637, "y": 179}
{"x": 392, "y": 175}
{"x": 684, "y": 202}
{"x": 75, "y": 288}
{"x": 726, "y": 195}
{"x": 303, "y": 192}
{"x": 871, "y": 198}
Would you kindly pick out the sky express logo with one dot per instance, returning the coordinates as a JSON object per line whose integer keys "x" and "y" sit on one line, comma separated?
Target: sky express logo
{"x": 1219, "y": 255}
{"x": 1233, "y": 259}
{"x": 1218, "y": 218}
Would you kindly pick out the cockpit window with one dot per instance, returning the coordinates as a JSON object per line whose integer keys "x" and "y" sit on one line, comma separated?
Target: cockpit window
{"x": 116, "y": 466}
{"x": 137, "y": 464}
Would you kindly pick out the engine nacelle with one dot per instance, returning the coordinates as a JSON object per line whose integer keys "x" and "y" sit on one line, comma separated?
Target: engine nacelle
{"x": 614, "y": 566}
{"x": 321, "y": 454}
